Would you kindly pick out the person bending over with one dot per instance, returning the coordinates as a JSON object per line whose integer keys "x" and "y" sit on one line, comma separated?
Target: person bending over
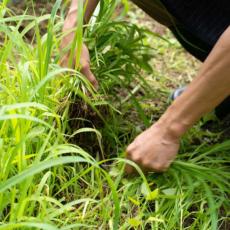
{"x": 202, "y": 27}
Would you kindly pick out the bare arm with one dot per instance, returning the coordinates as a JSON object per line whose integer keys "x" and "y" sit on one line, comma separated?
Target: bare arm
{"x": 69, "y": 24}
{"x": 90, "y": 7}
{"x": 209, "y": 88}
{"x": 156, "y": 148}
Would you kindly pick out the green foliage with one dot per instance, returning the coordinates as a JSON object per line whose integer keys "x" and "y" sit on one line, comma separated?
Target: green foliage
{"x": 46, "y": 182}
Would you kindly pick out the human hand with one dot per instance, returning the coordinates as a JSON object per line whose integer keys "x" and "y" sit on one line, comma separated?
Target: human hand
{"x": 85, "y": 57}
{"x": 153, "y": 150}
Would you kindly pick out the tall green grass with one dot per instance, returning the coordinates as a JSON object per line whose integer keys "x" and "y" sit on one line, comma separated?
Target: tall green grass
{"x": 47, "y": 182}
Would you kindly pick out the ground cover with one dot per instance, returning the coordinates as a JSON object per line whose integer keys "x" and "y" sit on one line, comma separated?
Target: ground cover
{"x": 62, "y": 144}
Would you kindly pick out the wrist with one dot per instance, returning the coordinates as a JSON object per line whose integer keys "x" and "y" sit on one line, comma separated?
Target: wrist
{"x": 173, "y": 125}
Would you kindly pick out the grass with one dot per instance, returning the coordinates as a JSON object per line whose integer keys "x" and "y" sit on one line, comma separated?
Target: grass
{"x": 51, "y": 179}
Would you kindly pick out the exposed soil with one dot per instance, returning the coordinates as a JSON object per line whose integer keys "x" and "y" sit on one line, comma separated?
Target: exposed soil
{"x": 222, "y": 127}
{"x": 82, "y": 115}
{"x": 37, "y": 8}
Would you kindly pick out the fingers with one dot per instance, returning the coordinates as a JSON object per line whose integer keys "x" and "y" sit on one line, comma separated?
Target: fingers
{"x": 85, "y": 70}
{"x": 133, "y": 157}
{"x": 147, "y": 159}
{"x": 145, "y": 166}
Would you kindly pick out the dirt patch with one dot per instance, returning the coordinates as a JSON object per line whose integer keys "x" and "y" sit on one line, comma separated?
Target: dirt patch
{"x": 137, "y": 16}
{"x": 222, "y": 127}
{"x": 83, "y": 116}
{"x": 35, "y": 8}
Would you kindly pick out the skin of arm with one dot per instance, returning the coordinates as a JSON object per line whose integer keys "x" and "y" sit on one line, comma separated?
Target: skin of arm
{"x": 90, "y": 7}
{"x": 69, "y": 24}
{"x": 156, "y": 148}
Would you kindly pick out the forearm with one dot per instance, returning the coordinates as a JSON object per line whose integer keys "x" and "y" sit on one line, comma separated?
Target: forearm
{"x": 208, "y": 89}
{"x": 90, "y": 7}
{"x": 69, "y": 36}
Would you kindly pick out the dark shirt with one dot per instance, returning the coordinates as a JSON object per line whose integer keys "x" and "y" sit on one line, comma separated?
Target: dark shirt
{"x": 202, "y": 22}
{"x": 200, "y": 25}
